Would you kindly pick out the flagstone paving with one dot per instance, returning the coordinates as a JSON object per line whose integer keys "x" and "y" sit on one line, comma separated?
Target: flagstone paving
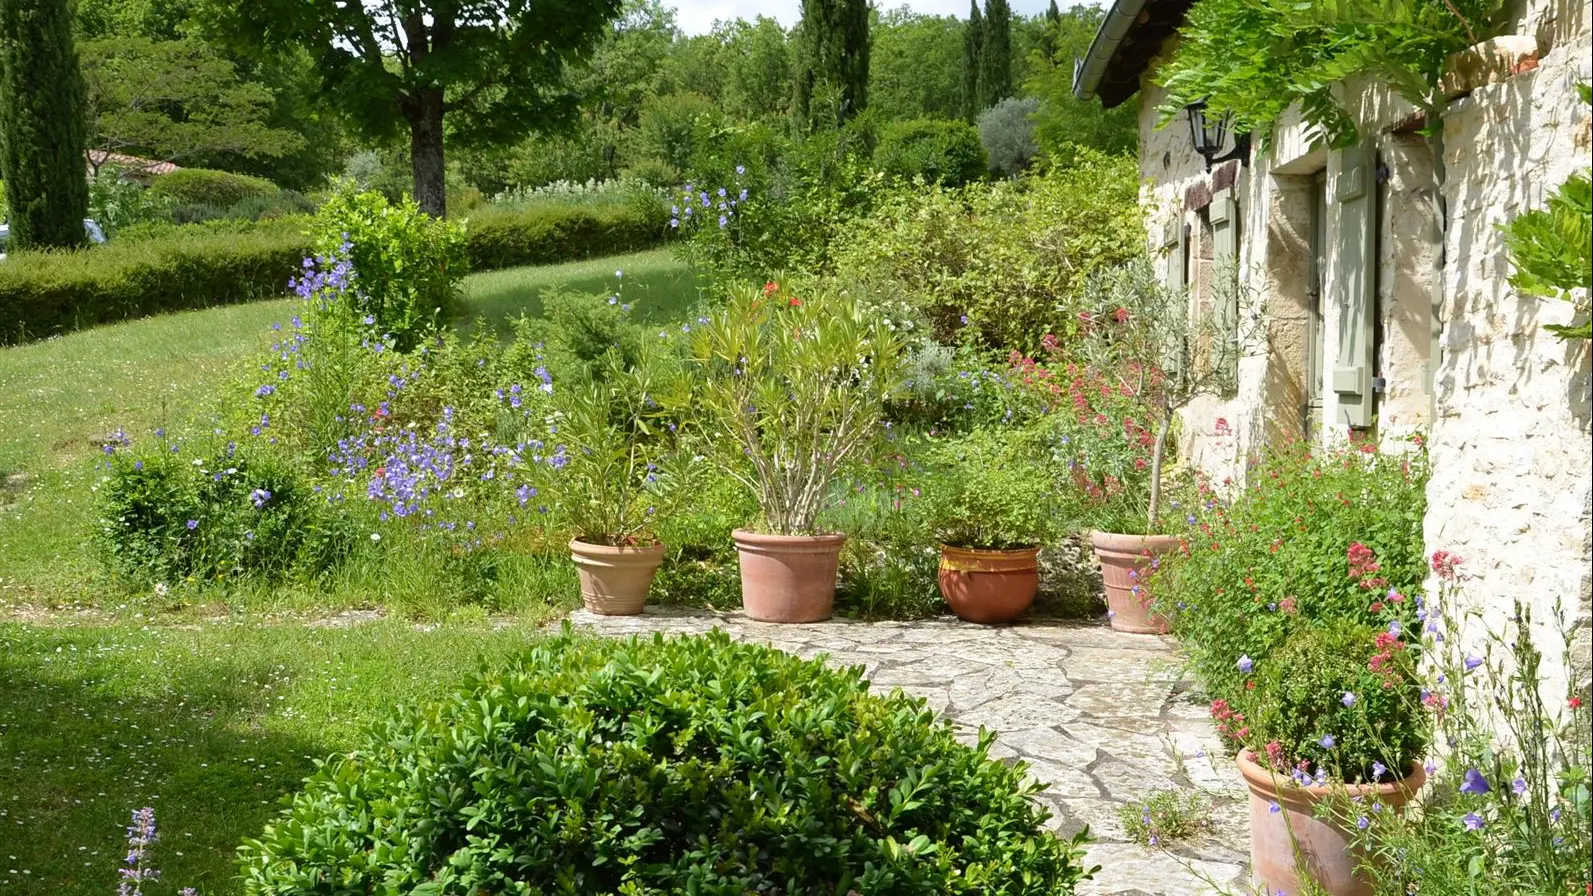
{"x": 1094, "y": 712}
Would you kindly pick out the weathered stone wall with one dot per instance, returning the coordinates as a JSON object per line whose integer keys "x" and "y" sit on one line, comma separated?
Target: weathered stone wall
{"x": 1505, "y": 404}
{"x": 1513, "y": 471}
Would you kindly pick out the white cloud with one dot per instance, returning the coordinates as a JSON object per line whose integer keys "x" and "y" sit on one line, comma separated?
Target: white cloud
{"x": 698, "y": 16}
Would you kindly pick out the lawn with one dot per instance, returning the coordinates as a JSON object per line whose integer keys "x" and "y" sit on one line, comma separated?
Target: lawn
{"x": 57, "y": 396}
{"x": 210, "y": 724}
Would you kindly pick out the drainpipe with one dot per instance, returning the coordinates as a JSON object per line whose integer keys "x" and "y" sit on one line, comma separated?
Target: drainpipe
{"x": 1087, "y": 72}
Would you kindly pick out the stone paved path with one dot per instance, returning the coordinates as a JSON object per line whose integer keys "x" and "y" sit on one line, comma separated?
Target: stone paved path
{"x": 1091, "y": 710}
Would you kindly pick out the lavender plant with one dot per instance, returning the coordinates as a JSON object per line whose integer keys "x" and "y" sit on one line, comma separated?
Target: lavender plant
{"x": 136, "y": 870}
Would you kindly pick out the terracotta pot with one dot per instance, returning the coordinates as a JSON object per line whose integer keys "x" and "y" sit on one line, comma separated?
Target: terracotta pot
{"x": 614, "y": 580}
{"x": 788, "y": 578}
{"x": 988, "y": 586}
{"x": 1123, "y": 561}
{"x": 1325, "y": 851}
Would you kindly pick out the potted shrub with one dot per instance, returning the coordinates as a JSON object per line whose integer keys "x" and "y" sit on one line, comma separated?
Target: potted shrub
{"x": 793, "y": 387}
{"x": 613, "y": 470}
{"x": 1334, "y": 715}
{"x": 1144, "y": 361}
{"x": 991, "y": 506}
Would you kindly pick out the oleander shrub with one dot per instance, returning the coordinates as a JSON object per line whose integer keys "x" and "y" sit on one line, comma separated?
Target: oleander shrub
{"x": 202, "y": 186}
{"x": 941, "y": 152}
{"x": 689, "y": 765}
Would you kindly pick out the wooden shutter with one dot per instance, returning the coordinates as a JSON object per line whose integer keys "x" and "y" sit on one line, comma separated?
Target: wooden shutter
{"x": 1224, "y": 215}
{"x": 1175, "y": 239}
{"x": 1354, "y": 264}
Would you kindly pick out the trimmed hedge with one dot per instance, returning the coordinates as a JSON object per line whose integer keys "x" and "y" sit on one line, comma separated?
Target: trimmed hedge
{"x": 201, "y": 186}
{"x": 46, "y": 293}
{"x": 547, "y": 234}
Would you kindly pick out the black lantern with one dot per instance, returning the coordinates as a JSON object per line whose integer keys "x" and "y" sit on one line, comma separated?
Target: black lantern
{"x": 1208, "y": 134}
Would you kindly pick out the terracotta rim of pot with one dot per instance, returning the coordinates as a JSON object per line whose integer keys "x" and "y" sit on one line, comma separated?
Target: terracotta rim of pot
{"x": 986, "y": 560}
{"x": 786, "y": 544}
{"x": 600, "y": 551}
{"x": 1267, "y": 784}
{"x": 1132, "y": 545}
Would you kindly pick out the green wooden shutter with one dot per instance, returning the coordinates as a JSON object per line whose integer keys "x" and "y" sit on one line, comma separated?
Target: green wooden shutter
{"x": 1224, "y": 216}
{"x": 1175, "y": 239}
{"x": 1354, "y": 264}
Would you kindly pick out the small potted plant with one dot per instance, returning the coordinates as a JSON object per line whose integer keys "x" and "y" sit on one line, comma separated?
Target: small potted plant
{"x": 1333, "y": 715}
{"x": 992, "y": 508}
{"x": 1145, "y": 360}
{"x": 793, "y": 386}
{"x": 610, "y": 469}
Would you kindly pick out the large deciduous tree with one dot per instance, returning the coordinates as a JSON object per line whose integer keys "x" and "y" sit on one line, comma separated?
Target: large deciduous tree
{"x": 492, "y": 70}
{"x": 915, "y": 66}
{"x": 832, "y": 48}
{"x": 41, "y": 124}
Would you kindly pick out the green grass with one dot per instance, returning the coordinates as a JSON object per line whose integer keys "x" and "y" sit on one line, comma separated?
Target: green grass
{"x": 212, "y": 725}
{"x": 58, "y": 395}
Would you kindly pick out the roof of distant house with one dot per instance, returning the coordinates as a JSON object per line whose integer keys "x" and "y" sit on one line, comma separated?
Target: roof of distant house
{"x": 100, "y": 157}
{"x": 1130, "y": 36}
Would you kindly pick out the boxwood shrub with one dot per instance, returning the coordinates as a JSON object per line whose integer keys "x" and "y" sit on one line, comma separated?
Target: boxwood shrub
{"x": 202, "y": 186}
{"x": 176, "y": 268}
{"x": 690, "y": 765}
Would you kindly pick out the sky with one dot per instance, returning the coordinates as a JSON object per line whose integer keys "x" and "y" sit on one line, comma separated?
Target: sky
{"x": 697, "y": 16}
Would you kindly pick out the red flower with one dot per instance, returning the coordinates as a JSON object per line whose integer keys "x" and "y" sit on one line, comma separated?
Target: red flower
{"x": 1576, "y": 702}
{"x": 770, "y": 288}
{"x": 1120, "y": 315}
{"x": 1444, "y": 564}
{"x": 795, "y": 302}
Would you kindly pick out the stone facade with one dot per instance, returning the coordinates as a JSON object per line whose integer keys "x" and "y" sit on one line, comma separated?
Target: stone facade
{"x": 1456, "y": 354}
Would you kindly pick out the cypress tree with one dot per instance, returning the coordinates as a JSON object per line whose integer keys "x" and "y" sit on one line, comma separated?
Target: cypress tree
{"x": 973, "y": 43}
{"x": 831, "y": 60}
{"x": 995, "y": 57}
{"x": 1053, "y": 23}
{"x": 42, "y": 125}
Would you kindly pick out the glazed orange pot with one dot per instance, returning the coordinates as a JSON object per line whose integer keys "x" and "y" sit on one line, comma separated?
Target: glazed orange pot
{"x": 788, "y": 578}
{"x": 1124, "y": 560}
{"x": 615, "y": 580}
{"x": 1326, "y": 852}
{"x": 988, "y": 586}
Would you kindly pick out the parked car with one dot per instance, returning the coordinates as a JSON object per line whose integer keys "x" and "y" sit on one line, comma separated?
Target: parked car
{"x": 95, "y": 233}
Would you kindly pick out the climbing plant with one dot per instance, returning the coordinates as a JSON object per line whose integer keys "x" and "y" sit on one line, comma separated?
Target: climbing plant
{"x": 1255, "y": 58}
{"x": 1552, "y": 249}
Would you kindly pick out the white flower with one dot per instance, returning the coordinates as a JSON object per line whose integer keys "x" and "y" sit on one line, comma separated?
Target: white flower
{"x": 376, "y": 536}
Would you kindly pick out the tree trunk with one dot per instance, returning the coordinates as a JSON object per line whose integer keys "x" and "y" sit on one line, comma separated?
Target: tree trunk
{"x": 426, "y": 152}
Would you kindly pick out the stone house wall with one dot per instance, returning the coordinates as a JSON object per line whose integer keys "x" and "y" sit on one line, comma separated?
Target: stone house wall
{"x": 1460, "y": 357}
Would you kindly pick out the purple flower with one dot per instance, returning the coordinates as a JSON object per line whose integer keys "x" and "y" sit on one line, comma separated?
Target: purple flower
{"x": 1472, "y": 662}
{"x": 741, "y": 169}
{"x": 264, "y": 390}
{"x": 1363, "y": 822}
{"x": 1378, "y": 770}
{"x": 1518, "y": 786}
{"x": 259, "y": 497}
{"x": 1274, "y": 808}
{"x": 1327, "y": 741}
{"x": 1246, "y": 664}
{"x": 1473, "y": 821}
{"x": 1475, "y": 783}
{"x": 1393, "y": 627}
{"x": 1348, "y": 699}
{"x": 193, "y": 524}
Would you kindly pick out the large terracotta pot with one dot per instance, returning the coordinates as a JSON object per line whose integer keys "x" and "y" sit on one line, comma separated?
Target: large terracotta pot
{"x": 1325, "y": 852}
{"x": 988, "y": 586}
{"x": 788, "y": 578}
{"x": 614, "y": 580}
{"x": 1124, "y": 559}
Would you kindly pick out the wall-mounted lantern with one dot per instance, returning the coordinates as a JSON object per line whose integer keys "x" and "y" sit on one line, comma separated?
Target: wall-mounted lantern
{"x": 1208, "y": 135}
